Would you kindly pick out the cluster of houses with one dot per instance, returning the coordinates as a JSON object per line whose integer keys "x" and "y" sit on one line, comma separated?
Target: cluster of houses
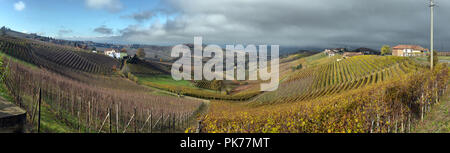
{"x": 399, "y": 50}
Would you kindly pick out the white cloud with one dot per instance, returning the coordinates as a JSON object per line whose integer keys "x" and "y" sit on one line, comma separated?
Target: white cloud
{"x": 110, "y": 5}
{"x": 19, "y": 6}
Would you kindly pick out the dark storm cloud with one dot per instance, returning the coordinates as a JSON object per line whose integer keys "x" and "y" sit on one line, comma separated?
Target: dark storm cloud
{"x": 313, "y": 23}
{"x": 103, "y": 30}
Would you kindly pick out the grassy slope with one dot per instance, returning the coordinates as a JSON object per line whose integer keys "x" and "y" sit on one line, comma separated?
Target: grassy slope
{"x": 164, "y": 79}
{"x": 167, "y": 80}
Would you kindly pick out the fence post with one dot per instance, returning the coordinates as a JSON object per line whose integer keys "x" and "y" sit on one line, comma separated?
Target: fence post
{"x": 162, "y": 121}
{"x": 117, "y": 118}
{"x": 135, "y": 129}
{"x": 110, "y": 120}
{"x": 89, "y": 117}
{"x": 169, "y": 122}
{"x": 39, "y": 114}
{"x": 79, "y": 122}
{"x": 199, "y": 127}
{"x": 174, "y": 122}
{"x": 151, "y": 121}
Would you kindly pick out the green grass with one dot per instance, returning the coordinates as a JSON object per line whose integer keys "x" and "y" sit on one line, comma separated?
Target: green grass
{"x": 50, "y": 123}
{"x": 2, "y": 54}
{"x": 167, "y": 80}
{"x": 5, "y": 93}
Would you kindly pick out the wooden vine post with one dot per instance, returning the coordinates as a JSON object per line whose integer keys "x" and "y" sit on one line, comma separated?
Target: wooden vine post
{"x": 39, "y": 114}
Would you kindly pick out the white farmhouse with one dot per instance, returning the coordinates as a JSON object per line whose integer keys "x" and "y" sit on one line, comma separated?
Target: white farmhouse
{"x": 330, "y": 52}
{"x": 112, "y": 53}
{"x": 408, "y": 50}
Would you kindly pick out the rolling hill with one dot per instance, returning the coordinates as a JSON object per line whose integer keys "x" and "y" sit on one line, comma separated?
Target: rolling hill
{"x": 338, "y": 76}
{"x": 56, "y": 57}
{"x": 360, "y": 94}
{"x": 79, "y": 89}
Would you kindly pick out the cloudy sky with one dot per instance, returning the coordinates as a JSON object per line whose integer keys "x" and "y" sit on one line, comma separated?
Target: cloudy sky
{"x": 303, "y": 23}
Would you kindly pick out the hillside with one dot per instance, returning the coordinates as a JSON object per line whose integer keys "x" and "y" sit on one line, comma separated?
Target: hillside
{"x": 438, "y": 118}
{"x": 359, "y": 94}
{"x": 137, "y": 66}
{"x": 78, "y": 91}
{"x": 55, "y": 57}
{"x": 338, "y": 76}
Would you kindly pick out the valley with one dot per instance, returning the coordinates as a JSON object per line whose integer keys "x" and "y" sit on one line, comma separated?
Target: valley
{"x": 75, "y": 90}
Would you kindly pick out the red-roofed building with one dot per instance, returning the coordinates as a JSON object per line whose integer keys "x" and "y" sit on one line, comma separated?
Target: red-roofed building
{"x": 408, "y": 50}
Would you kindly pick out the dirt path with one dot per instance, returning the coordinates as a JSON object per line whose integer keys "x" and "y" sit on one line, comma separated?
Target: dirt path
{"x": 438, "y": 120}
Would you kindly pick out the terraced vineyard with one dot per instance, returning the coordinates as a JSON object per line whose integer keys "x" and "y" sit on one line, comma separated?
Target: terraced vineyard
{"x": 141, "y": 67}
{"x": 317, "y": 94}
{"x": 360, "y": 94}
{"x": 78, "y": 106}
{"x": 57, "y": 58}
{"x": 338, "y": 76}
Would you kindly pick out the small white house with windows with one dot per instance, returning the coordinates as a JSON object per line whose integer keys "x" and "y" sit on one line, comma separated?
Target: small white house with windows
{"x": 112, "y": 53}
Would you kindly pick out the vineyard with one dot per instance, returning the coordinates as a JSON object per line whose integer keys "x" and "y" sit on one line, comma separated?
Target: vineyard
{"x": 338, "y": 76}
{"x": 90, "y": 108}
{"x": 57, "y": 58}
{"x": 382, "y": 95}
{"x": 140, "y": 67}
{"x": 66, "y": 89}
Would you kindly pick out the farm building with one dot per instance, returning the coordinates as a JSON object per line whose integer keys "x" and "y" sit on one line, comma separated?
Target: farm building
{"x": 408, "y": 50}
{"x": 329, "y": 52}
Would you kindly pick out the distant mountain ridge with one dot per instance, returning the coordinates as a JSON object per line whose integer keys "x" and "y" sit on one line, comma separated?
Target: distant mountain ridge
{"x": 153, "y": 52}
